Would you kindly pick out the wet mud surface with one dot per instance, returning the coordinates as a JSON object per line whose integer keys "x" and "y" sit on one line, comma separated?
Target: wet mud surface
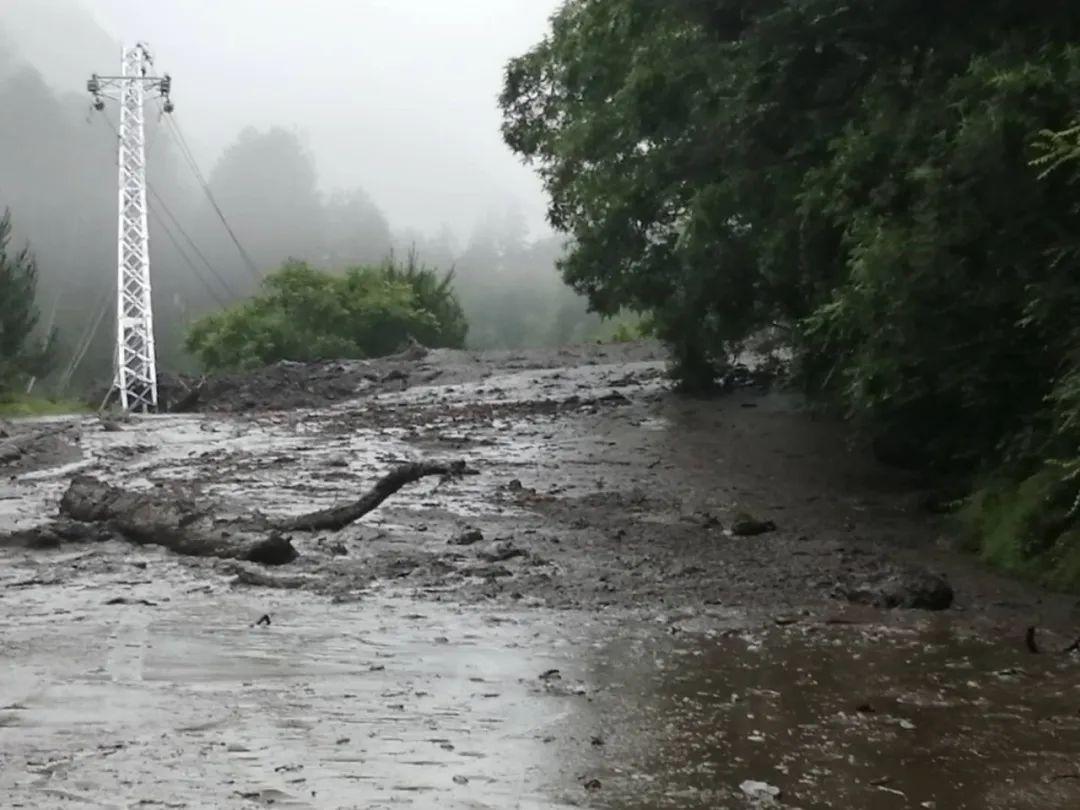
{"x": 632, "y": 605}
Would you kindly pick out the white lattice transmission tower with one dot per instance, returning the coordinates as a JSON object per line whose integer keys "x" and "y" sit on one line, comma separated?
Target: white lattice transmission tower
{"x": 136, "y": 367}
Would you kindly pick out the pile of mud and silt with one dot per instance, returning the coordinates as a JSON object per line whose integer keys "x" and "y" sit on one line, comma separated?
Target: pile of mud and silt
{"x": 289, "y": 385}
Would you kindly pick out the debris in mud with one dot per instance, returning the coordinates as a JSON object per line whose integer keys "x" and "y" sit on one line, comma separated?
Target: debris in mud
{"x": 164, "y": 519}
{"x": 123, "y": 600}
{"x": 760, "y": 791}
{"x": 747, "y": 526}
{"x": 55, "y": 534}
{"x": 489, "y": 571}
{"x": 614, "y": 398}
{"x": 263, "y": 620}
{"x": 9, "y": 452}
{"x": 551, "y": 675}
{"x": 260, "y": 579}
{"x": 36, "y": 448}
{"x": 909, "y": 587}
{"x": 338, "y": 517}
{"x": 502, "y": 551}
{"x": 1033, "y": 647}
{"x": 593, "y": 784}
{"x": 92, "y": 510}
{"x": 1029, "y": 641}
{"x": 289, "y": 385}
{"x": 467, "y": 538}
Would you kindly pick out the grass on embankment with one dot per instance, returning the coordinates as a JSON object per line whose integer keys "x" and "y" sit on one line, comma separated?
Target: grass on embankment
{"x": 21, "y": 405}
{"x": 1028, "y": 528}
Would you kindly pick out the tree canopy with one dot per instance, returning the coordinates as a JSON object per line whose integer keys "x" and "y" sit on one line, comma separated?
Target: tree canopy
{"x": 862, "y": 178}
{"x": 22, "y": 355}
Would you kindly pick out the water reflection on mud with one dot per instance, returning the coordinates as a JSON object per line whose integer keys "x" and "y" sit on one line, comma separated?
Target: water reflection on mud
{"x": 183, "y": 702}
{"x": 683, "y": 668}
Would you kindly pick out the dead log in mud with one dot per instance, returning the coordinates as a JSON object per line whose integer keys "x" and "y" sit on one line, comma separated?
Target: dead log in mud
{"x": 93, "y": 511}
{"x": 178, "y": 524}
{"x": 338, "y": 517}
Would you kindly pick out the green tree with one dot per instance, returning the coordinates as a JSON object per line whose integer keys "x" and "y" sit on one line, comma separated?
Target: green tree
{"x": 305, "y": 314}
{"x": 21, "y": 354}
{"x": 856, "y": 177}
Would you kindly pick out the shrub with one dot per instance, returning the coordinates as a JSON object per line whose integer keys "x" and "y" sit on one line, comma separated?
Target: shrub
{"x": 306, "y": 314}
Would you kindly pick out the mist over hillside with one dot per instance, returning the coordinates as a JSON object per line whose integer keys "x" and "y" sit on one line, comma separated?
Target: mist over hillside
{"x": 280, "y": 195}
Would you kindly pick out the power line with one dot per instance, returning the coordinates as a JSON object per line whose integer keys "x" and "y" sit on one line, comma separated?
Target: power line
{"x": 83, "y": 346}
{"x": 164, "y": 225}
{"x": 187, "y": 259}
{"x": 92, "y": 326}
{"x": 190, "y": 241}
{"x": 185, "y": 150}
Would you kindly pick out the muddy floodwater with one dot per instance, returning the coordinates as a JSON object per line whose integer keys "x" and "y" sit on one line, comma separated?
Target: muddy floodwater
{"x": 580, "y": 624}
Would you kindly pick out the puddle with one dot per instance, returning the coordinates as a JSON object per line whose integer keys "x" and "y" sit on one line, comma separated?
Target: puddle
{"x": 393, "y": 703}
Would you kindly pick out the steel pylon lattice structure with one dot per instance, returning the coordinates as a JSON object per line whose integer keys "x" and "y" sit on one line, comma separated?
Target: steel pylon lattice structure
{"x": 136, "y": 365}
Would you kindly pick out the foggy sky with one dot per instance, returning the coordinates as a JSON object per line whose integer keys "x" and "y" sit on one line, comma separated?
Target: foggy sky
{"x": 394, "y": 96}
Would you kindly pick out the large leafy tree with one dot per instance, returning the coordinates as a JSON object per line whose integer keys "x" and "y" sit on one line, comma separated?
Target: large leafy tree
{"x": 848, "y": 173}
{"x": 21, "y": 354}
{"x": 863, "y": 178}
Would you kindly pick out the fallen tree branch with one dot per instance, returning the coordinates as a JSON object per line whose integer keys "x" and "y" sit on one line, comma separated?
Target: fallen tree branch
{"x": 94, "y": 511}
{"x": 338, "y": 517}
{"x": 150, "y": 518}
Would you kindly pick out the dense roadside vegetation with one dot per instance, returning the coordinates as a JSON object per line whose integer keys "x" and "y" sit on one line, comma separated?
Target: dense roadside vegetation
{"x": 888, "y": 185}
{"x": 306, "y": 314}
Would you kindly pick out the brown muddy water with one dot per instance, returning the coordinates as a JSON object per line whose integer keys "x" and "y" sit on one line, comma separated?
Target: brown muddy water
{"x": 628, "y": 653}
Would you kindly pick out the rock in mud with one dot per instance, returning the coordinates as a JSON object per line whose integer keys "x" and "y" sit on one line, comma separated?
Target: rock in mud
{"x": 487, "y": 571}
{"x": 761, "y": 792}
{"x": 467, "y": 538}
{"x": 909, "y": 587}
{"x": 501, "y": 551}
{"x": 751, "y": 527}
{"x": 10, "y": 452}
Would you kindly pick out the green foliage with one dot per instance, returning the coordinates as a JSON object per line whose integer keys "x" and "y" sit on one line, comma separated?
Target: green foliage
{"x": 306, "y": 314}
{"x": 626, "y": 327}
{"x": 21, "y": 355}
{"x": 891, "y": 185}
{"x": 16, "y": 405}
{"x": 1025, "y": 527}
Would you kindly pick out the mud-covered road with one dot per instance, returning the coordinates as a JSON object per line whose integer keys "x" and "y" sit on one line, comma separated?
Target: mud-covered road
{"x": 638, "y": 602}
